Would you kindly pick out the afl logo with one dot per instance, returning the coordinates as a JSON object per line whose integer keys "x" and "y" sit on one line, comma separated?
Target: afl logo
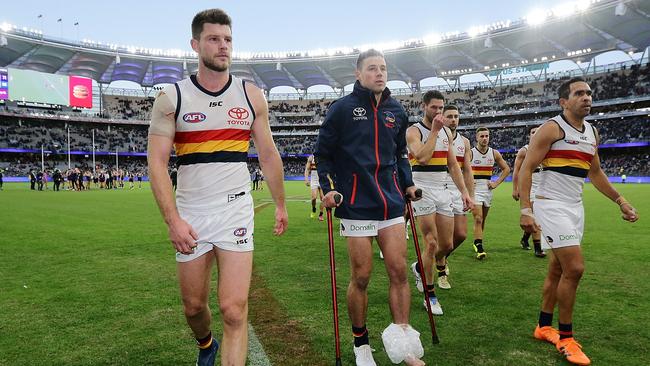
{"x": 194, "y": 117}
{"x": 359, "y": 112}
{"x": 238, "y": 113}
{"x": 572, "y": 142}
{"x": 240, "y": 232}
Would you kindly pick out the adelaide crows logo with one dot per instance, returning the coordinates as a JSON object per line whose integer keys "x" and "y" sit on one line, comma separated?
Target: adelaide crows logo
{"x": 389, "y": 119}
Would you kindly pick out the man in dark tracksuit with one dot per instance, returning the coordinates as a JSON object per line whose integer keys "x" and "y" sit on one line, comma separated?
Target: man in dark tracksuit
{"x": 361, "y": 154}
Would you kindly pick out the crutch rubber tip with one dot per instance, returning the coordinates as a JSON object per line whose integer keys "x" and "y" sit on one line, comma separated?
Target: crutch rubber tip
{"x": 338, "y": 362}
{"x": 338, "y": 198}
{"x": 435, "y": 340}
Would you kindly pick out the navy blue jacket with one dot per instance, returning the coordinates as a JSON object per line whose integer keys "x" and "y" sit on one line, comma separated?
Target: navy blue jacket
{"x": 361, "y": 153}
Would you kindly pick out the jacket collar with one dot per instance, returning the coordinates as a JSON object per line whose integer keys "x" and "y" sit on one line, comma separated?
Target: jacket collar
{"x": 365, "y": 93}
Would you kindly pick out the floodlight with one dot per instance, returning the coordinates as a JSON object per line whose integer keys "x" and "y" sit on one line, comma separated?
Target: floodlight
{"x": 536, "y": 17}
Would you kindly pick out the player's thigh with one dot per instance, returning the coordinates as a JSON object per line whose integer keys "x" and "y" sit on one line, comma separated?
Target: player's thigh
{"x": 445, "y": 229}
{"x": 360, "y": 254}
{"x": 392, "y": 241}
{"x": 235, "y": 269}
{"x": 194, "y": 278}
{"x": 460, "y": 224}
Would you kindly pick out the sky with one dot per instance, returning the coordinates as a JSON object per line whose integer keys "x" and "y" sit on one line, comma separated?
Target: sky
{"x": 262, "y": 26}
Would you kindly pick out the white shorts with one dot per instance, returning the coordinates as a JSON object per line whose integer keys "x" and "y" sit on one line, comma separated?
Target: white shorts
{"x": 314, "y": 183}
{"x": 483, "y": 197}
{"x": 362, "y": 228}
{"x": 562, "y": 223}
{"x": 456, "y": 202}
{"x": 434, "y": 200}
{"x": 228, "y": 228}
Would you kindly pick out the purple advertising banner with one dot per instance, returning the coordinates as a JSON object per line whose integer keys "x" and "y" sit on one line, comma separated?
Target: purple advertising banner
{"x": 4, "y": 84}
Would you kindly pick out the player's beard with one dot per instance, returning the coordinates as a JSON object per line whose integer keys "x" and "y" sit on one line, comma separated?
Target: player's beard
{"x": 213, "y": 66}
{"x": 430, "y": 116}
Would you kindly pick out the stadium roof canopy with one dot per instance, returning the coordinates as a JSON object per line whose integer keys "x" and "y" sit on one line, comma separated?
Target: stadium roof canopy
{"x": 606, "y": 25}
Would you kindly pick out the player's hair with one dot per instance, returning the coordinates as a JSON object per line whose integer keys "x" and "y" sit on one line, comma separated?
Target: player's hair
{"x": 450, "y": 107}
{"x": 366, "y": 54}
{"x": 564, "y": 89}
{"x": 481, "y": 129}
{"x": 432, "y": 94}
{"x": 212, "y": 16}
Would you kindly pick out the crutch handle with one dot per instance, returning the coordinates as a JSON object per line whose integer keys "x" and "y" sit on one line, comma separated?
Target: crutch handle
{"x": 338, "y": 198}
{"x": 418, "y": 193}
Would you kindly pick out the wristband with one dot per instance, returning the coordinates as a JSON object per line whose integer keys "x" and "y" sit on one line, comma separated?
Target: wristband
{"x": 621, "y": 201}
{"x": 527, "y": 212}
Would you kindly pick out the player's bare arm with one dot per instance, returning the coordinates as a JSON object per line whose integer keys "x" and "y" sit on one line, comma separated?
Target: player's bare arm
{"x": 468, "y": 175}
{"x": 423, "y": 151}
{"x": 521, "y": 155}
{"x": 539, "y": 145}
{"x": 505, "y": 170}
{"x": 269, "y": 158}
{"x": 456, "y": 175}
{"x": 307, "y": 171}
{"x": 160, "y": 143}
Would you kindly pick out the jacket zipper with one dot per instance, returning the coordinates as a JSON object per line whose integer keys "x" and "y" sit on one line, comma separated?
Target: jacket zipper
{"x": 381, "y": 194}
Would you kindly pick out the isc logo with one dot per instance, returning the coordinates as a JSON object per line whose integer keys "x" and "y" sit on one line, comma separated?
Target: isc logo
{"x": 194, "y": 117}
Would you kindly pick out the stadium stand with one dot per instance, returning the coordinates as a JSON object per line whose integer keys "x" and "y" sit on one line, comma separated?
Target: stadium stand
{"x": 505, "y": 104}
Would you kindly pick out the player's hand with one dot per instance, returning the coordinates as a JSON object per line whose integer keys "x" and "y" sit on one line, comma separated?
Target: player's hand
{"x": 515, "y": 195}
{"x": 438, "y": 122}
{"x": 183, "y": 236}
{"x": 629, "y": 213}
{"x": 492, "y": 185}
{"x": 328, "y": 199}
{"x": 468, "y": 202}
{"x": 281, "y": 220}
{"x": 412, "y": 193}
{"x": 528, "y": 224}
{"x": 307, "y": 182}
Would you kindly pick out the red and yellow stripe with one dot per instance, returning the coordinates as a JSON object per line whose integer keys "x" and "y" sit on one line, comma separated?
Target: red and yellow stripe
{"x": 572, "y": 158}
{"x": 482, "y": 172}
{"x": 209, "y": 141}
{"x": 438, "y": 158}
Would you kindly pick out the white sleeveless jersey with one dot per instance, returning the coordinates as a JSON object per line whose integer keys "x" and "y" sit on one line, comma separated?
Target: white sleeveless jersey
{"x": 537, "y": 177}
{"x": 459, "y": 150}
{"x": 482, "y": 167}
{"x": 313, "y": 175}
{"x": 211, "y": 142}
{"x": 434, "y": 171}
{"x": 567, "y": 162}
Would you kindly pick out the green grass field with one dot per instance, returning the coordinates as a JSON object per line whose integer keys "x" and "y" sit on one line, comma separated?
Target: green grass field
{"x": 88, "y": 278}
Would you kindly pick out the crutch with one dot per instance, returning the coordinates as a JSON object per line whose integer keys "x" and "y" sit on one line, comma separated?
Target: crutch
{"x": 335, "y": 306}
{"x": 434, "y": 334}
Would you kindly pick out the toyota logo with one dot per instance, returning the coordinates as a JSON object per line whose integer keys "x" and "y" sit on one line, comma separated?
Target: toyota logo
{"x": 359, "y": 112}
{"x": 238, "y": 113}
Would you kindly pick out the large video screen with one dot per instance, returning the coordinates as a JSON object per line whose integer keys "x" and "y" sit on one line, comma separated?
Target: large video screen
{"x": 38, "y": 87}
{"x": 4, "y": 84}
